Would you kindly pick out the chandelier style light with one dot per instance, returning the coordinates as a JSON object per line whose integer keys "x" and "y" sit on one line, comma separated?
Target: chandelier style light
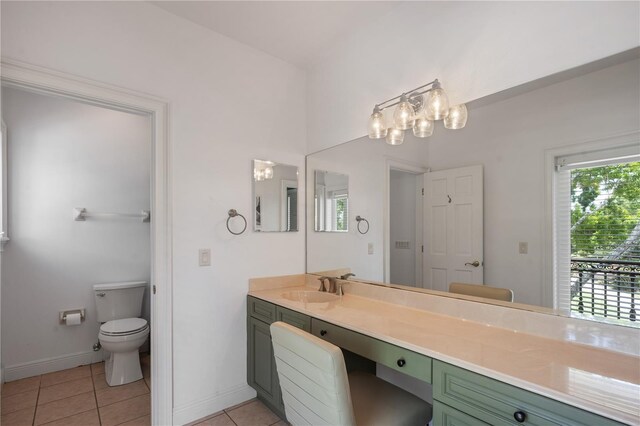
{"x": 416, "y": 109}
{"x": 262, "y": 170}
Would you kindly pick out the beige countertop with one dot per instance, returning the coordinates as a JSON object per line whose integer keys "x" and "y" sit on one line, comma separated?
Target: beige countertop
{"x": 597, "y": 380}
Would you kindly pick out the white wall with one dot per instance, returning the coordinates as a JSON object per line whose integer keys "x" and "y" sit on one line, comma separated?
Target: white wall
{"x": 509, "y": 139}
{"x": 402, "y": 227}
{"x": 65, "y": 154}
{"x": 212, "y": 84}
{"x": 474, "y": 48}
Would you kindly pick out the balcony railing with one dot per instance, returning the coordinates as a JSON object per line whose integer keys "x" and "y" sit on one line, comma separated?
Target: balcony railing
{"x": 605, "y": 288}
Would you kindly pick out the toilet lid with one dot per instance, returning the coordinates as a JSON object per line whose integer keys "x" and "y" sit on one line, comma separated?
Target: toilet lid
{"x": 123, "y": 326}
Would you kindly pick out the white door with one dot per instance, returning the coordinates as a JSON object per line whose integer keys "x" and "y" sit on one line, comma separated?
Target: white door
{"x": 453, "y": 227}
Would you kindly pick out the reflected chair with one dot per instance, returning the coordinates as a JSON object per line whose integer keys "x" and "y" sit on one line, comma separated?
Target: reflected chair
{"x": 317, "y": 390}
{"x": 480, "y": 290}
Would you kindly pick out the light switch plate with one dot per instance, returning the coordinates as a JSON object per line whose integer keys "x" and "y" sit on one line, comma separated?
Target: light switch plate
{"x": 370, "y": 248}
{"x": 204, "y": 257}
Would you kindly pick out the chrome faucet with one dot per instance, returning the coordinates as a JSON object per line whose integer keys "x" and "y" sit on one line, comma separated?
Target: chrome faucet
{"x": 346, "y": 276}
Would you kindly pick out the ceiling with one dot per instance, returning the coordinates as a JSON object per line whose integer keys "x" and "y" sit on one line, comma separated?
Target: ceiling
{"x": 299, "y": 32}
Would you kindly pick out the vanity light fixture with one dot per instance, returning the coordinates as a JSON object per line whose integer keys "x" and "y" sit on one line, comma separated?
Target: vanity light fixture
{"x": 416, "y": 111}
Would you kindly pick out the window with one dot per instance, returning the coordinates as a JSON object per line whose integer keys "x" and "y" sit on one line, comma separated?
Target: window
{"x": 597, "y": 222}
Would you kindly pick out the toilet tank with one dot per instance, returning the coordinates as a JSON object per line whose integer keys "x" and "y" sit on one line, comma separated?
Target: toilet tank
{"x": 119, "y": 300}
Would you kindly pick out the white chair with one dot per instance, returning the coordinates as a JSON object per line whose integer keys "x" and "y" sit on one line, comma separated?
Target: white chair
{"x": 480, "y": 290}
{"x": 316, "y": 389}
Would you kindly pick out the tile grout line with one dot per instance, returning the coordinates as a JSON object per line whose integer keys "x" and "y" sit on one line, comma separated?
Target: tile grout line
{"x": 95, "y": 395}
{"x": 66, "y": 417}
{"x": 35, "y": 409}
{"x": 231, "y": 418}
{"x": 130, "y": 420}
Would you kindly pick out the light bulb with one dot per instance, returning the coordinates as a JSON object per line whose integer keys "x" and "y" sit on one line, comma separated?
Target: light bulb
{"x": 404, "y": 114}
{"x": 457, "y": 117}
{"x": 395, "y": 136}
{"x": 268, "y": 173}
{"x": 377, "y": 126}
{"x": 437, "y": 104}
{"x": 423, "y": 128}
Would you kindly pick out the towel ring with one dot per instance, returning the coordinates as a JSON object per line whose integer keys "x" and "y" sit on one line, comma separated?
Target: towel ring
{"x": 234, "y": 213}
{"x": 361, "y": 219}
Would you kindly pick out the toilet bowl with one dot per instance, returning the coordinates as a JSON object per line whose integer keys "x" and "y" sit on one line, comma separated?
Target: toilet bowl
{"x": 122, "y": 338}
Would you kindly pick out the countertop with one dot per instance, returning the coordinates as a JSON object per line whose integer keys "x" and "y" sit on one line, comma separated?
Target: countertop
{"x": 597, "y": 380}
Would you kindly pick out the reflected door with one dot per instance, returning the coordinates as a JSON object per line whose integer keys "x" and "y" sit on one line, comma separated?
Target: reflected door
{"x": 453, "y": 207}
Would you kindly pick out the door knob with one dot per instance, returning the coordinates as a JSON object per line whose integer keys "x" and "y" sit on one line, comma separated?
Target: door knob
{"x": 475, "y": 264}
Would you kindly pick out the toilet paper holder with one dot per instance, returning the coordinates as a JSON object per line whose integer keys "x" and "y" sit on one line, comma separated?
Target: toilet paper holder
{"x": 62, "y": 315}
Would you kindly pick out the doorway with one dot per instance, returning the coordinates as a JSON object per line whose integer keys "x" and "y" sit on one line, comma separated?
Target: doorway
{"x": 404, "y": 224}
{"x": 53, "y": 83}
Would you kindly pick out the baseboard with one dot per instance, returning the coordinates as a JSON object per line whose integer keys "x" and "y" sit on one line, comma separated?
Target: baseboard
{"x": 213, "y": 404}
{"x": 48, "y": 365}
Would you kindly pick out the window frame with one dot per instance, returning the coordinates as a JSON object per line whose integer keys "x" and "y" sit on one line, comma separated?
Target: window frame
{"x": 553, "y": 267}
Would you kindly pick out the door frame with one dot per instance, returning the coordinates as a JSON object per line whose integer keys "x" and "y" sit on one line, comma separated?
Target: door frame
{"x": 407, "y": 167}
{"x": 53, "y": 83}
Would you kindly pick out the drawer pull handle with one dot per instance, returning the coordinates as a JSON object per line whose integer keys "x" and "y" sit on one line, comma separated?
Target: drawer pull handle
{"x": 401, "y": 362}
{"x": 520, "y": 416}
{"x": 323, "y": 332}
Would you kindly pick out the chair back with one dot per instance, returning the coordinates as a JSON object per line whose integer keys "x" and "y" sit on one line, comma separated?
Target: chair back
{"x": 480, "y": 290}
{"x": 313, "y": 378}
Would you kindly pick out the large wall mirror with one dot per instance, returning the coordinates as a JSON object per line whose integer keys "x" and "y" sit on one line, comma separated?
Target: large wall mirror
{"x": 519, "y": 149}
{"x": 275, "y": 197}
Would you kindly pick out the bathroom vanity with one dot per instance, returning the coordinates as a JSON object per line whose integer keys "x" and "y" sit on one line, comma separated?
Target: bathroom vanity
{"x": 480, "y": 374}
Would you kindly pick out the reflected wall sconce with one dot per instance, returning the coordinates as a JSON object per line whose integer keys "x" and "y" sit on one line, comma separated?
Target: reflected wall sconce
{"x": 416, "y": 109}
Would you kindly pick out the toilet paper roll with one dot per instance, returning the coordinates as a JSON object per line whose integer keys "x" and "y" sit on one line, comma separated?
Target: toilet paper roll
{"x": 73, "y": 319}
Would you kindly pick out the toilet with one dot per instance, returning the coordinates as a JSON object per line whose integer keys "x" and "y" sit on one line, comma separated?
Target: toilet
{"x": 119, "y": 306}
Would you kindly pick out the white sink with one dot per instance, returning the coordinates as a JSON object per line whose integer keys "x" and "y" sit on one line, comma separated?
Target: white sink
{"x": 310, "y": 296}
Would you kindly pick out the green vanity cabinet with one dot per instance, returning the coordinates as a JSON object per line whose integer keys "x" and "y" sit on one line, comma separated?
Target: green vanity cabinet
{"x": 462, "y": 397}
{"x": 261, "y": 366}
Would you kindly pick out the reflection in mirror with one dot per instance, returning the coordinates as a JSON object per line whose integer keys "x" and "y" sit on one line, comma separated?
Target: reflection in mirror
{"x": 331, "y": 202}
{"x": 520, "y": 138}
{"x": 275, "y": 197}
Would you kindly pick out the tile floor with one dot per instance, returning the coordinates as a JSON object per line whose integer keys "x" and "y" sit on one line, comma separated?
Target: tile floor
{"x": 78, "y": 396}
{"x": 250, "y": 413}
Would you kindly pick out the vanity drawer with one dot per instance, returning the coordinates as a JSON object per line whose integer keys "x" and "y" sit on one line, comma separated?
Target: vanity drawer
{"x": 397, "y": 358}
{"x": 497, "y": 403}
{"x": 259, "y": 309}
{"x": 443, "y": 415}
{"x": 293, "y": 318}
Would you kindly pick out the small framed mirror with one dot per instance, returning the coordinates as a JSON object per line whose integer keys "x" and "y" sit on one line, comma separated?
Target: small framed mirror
{"x": 275, "y": 197}
{"x": 331, "y": 202}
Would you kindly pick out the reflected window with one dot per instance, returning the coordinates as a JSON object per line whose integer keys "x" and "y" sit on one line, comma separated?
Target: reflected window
{"x": 331, "y": 202}
{"x": 598, "y": 226}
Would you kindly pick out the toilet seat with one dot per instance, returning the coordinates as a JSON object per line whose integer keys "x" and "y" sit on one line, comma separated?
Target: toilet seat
{"x": 123, "y": 327}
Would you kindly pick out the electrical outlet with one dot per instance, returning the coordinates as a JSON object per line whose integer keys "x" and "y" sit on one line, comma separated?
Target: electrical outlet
{"x": 370, "y": 248}
{"x": 523, "y": 247}
{"x": 204, "y": 257}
